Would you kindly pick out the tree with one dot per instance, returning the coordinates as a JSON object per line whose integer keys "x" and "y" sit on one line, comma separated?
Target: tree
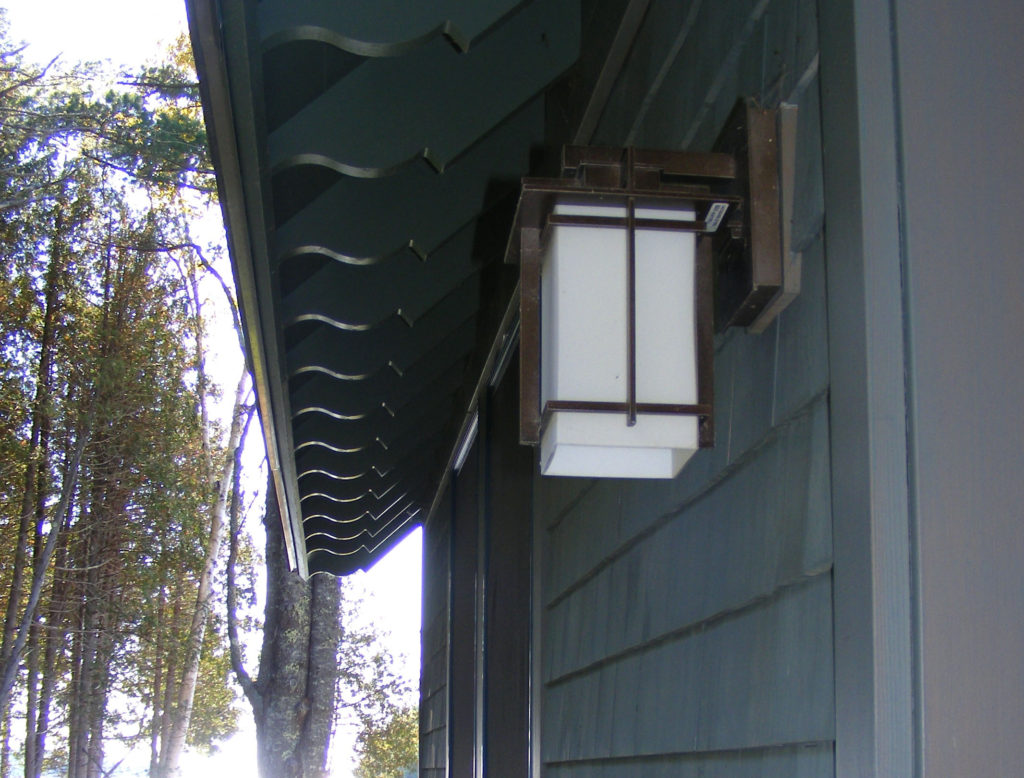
{"x": 109, "y": 461}
{"x": 313, "y": 662}
{"x": 181, "y": 714}
{"x": 294, "y": 694}
{"x": 389, "y": 748}
{"x": 115, "y": 480}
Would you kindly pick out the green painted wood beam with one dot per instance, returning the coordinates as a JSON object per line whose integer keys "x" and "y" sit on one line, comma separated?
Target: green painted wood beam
{"x": 362, "y": 220}
{"x": 380, "y": 28}
{"x": 434, "y": 103}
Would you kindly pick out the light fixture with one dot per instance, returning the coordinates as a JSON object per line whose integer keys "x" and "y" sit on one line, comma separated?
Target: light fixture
{"x": 629, "y": 263}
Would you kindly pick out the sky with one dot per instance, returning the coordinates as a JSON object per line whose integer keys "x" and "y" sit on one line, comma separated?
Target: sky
{"x": 132, "y": 32}
{"x": 123, "y": 31}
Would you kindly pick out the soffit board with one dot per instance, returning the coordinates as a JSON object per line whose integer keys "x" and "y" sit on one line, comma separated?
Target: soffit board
{"x": 376, "y": 150}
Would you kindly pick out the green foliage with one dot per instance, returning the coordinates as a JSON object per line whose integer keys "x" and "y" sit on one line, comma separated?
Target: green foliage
{"x": 382, "y": 701}
{"x": 371, "y": 686}
{"x": 155, "y": 131}
{"x": 98, "y": 338}
{"x": 390, "y": 748}
{"x": 215, "y": 715}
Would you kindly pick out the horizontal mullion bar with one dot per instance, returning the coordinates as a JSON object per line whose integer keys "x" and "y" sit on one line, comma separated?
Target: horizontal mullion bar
{"x": 566, "y": 220}
{"x": 586, "y": 406}
{"x": 668, "y": 192}
{"x": 668, "y": 163}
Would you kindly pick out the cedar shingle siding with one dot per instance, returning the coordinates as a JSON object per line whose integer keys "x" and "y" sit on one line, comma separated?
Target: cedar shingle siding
{"x": 687, "y": 626}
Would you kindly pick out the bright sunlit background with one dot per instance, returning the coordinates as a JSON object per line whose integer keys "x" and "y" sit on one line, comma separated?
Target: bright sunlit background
{"x": 130, "y": 32}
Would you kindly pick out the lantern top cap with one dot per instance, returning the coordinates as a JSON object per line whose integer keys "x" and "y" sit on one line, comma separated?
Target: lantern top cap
{"x": 734, "y": 192}
{"x": 643, "y": 170}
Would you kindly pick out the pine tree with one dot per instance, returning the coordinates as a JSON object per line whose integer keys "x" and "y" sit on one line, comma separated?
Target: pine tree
{"x": 109, "y": 462}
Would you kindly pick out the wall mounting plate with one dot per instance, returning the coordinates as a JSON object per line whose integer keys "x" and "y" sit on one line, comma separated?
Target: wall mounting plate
{"x": 747, "y": 255}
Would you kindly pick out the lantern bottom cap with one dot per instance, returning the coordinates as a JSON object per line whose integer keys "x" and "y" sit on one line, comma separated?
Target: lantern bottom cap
{"x": 567, "y": 449}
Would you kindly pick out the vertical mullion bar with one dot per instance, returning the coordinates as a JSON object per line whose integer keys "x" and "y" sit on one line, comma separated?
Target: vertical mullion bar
{"x": 529, "y": 338}
{"x": 631, "y": 312}
{"x": 703, "y": 306}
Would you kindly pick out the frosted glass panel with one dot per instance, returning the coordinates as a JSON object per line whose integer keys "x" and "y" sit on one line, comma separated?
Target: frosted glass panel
{"x": 584, "y": 345}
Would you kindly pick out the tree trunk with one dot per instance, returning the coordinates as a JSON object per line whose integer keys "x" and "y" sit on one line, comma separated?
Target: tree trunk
{"x": 284, "y": 660}
{"x": 322, "y": 675}
{"x": 294, "y": 698}
{"x": 170, "y": 674}
{"x": 32, "y": 697}
{"x": 174, "y": 746}
{"x": 11, "y": 660}
{"x": 5, "y": 742}
{"x": 55, "y": 637}
{"x": 158, "y": 682}
{"x": 36, "y": 637}
{"x": 99, "y": 565}
{"x": 35, "y": 475}
{"x": 81, "y": 703}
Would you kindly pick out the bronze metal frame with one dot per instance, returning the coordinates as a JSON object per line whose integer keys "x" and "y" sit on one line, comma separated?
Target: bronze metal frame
{"x": 738, "y": 269}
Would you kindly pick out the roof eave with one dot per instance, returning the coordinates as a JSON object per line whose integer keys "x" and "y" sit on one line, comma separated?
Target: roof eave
{"x": 227, "y": 91}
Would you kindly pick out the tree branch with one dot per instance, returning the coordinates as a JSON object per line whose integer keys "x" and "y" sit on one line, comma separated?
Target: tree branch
{"x": 228, "y": 295}
{"x": 241, "y": 674}
{"x": 30, "y": 78}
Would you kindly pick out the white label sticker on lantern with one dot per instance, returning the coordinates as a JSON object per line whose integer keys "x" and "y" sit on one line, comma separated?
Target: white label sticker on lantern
{"x": 715, "y": 215}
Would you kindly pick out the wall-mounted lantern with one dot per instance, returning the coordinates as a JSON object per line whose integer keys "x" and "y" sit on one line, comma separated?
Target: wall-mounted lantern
{"x": 629, "y": 264}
